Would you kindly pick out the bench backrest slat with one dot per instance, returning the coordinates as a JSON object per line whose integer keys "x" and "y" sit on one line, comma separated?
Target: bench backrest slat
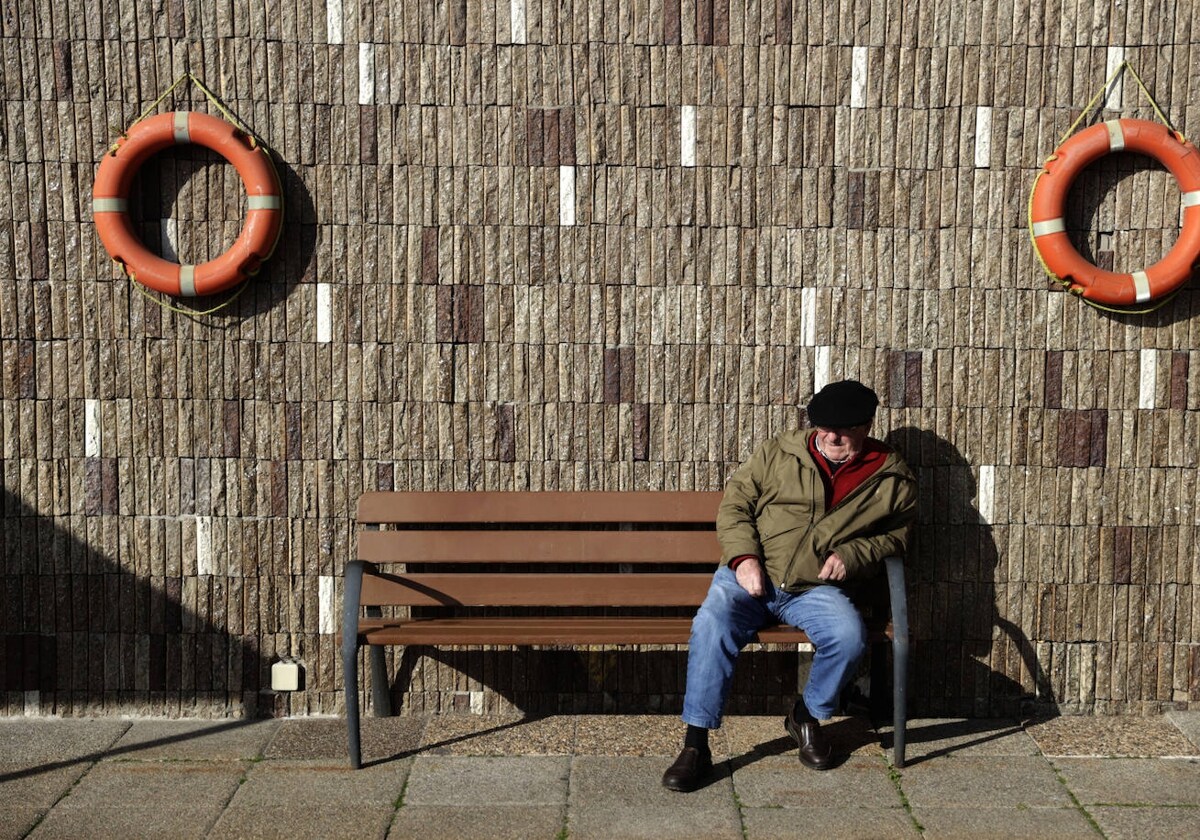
{"x": 538, "y": 546}
{"x": 536, "y": 590}
{"x": 549, "y": 507}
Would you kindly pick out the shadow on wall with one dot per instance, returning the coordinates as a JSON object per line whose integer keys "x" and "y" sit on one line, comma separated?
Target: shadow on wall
{"x": 962, "y": 665}
{"x": 84, "y": 634}
{"x": 600, "y": 681}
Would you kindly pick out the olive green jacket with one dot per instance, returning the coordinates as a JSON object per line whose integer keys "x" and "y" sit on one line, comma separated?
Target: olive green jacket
{"x": 774, "y": 507}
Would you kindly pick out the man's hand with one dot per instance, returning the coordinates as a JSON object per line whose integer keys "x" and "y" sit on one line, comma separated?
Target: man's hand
{"x": 751, "y": 577}
{"x": 834, "y": 568}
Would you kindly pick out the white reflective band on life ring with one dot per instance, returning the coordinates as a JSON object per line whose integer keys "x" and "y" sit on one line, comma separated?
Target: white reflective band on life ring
{"x": 265, "y": 202}
{"x": 187, "y": 280}
{"x": 1191, "y": 199}
{"x": 181, "y": 127}
{"x": 1049, "y": 226}
{"x": 109, "y": 205}
{"x": 1141, "y": 286}
{"x": 1116, "y": 135}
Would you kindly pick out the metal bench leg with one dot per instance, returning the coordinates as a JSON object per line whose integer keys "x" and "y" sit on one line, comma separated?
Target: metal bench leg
{"x": 899, "y": 602}
{"x": 381, "y": 696}
{"x": 351, "y": 597}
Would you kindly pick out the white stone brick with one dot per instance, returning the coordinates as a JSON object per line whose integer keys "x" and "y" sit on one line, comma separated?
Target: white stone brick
{"x": 324, "y": 313}
{"x": 566, "y": 195}
{"x": 333, "y": 21}
{"x": 687, "y": 135}
{"x": 366, "y": 74}
{"x": 858, "y": 78}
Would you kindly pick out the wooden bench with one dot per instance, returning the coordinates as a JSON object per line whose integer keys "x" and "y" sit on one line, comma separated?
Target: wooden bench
{"x": 560, "y": 568}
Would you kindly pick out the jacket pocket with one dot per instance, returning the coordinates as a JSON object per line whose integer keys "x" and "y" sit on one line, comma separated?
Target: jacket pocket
{"x": 776, "y": 520}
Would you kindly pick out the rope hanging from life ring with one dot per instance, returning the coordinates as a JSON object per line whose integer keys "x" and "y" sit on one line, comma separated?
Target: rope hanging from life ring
{"x": 1114, "y": 291}
{"x": 264, "y": 216}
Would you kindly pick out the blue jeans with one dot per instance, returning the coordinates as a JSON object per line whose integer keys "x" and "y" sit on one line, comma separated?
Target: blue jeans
{"x": 729, "y": 618}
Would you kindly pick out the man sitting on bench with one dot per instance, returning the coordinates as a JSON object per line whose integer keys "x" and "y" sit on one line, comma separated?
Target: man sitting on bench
{"x": 811, "y": 514}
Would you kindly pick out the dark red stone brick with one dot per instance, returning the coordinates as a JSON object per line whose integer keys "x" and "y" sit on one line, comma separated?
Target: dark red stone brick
{"x": 783, "y": 21}
{"x": 671, "y": 27}
{"x": 368, "y": 140}
{"x": 612, "y": 375}
{"x": 704, "y": 21}
{"x": 912, "y": 379}
{"x": 232, "y": 417}
{"x": 641, "y": 432}
{"x": 64, "y": 76}
{"x": 506, "y": 440}
{"x": 1053, "y": 379}
{"x": 429, "y": 255}
{"x": 1179, "y": 379}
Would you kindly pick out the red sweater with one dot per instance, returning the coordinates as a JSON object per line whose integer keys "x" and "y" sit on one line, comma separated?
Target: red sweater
{"x": 841, "y": 479}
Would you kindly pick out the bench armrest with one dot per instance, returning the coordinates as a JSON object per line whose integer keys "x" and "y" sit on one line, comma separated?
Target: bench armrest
{"x": 352, "y": 602}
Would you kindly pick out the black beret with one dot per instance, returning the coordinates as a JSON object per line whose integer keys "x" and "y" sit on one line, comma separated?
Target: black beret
{"x": 843, "y": 404}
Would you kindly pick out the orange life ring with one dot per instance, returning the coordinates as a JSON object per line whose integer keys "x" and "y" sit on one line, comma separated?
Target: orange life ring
{"x": 264, "y": 218}
{"x": 1054, "y": 183}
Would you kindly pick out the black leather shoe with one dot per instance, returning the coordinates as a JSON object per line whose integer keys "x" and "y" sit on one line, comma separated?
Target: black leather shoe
{"x": 689, "y": 770}
{"x": 815, "y": 751}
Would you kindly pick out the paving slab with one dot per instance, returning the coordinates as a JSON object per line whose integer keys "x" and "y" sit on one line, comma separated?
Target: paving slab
{"x": 928, "y": 739}
{"x": 983, "y": 781}
{"x": 623, "y": 797}
{"x": 189, "y": 740}
{"x": 314, "y": 799}
{"x": 299, "y": 783}
{"x": 1004, "y": 823}
{"x": 499, "y": 735}
{"x": 181, "y": 823}
{"x": 496, "y": 822}
{"x": 1153, "y": 823}
{"x": 130, "y": 799}
{"x": 36, "y": 742}
{"x": 1110, "y": 736}
{"x": 484, "y": 780}
{"x": 841, "y": 823}
{"x": 782, "y": 781}
{"x": 1132, "y": 781}
{"x": 1188, "y": 723}
{"x": 38, "y": 788}
{"x": 16, "y": 820}
{"x": 317, "y": 821}
{"x": 383, "y": 739}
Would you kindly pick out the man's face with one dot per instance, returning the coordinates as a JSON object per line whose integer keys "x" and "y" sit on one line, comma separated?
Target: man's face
{"x": 840, "y": 443}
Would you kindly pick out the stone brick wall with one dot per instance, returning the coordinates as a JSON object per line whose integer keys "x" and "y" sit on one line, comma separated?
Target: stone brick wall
{"x": 586, "y": 245}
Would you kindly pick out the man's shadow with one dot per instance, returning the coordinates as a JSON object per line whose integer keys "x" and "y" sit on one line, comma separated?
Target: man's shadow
{"x": 969, "y": 659}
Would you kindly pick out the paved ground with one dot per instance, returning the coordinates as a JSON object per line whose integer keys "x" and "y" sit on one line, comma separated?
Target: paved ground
{"x": 593, "y": 777}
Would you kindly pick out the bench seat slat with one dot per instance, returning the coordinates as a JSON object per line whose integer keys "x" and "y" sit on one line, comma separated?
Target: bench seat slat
{"x": 461, "y": 506}
{"x": 536, "y": 590}
{"x": 549, "y": 630}
{"x": 539, "y": 546}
